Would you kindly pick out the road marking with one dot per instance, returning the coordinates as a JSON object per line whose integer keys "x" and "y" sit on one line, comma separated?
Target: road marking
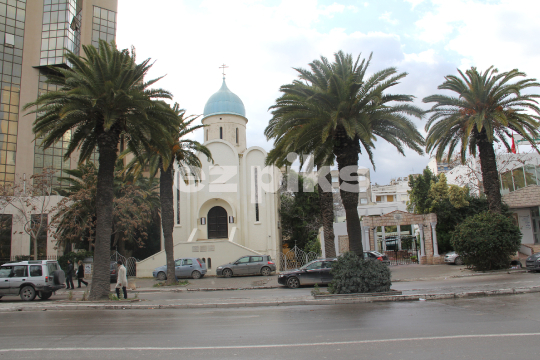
{"x": 358, "y": 342}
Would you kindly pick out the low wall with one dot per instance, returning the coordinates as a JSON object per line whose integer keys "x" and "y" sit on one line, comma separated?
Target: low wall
{"x": 219, "y": 252}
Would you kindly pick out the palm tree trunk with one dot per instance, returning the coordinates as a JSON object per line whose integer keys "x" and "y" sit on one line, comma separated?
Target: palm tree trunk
{"x": 326, "y": 201}
{"x": 107, "y": 144}
{"x": 167, "y": 217}
{"x": 490, "y": 174}
{"x": 346, "y": 151}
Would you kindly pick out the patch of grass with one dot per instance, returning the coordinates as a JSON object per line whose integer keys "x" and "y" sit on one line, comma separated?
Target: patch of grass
{"x": 113, "y": 297}
{"x": 70, "y": 295}
{"x": 85, "y": 296}
{"x": 179, "y": 283}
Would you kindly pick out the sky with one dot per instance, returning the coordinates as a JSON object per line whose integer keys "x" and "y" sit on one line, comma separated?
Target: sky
{"x": 262, "y": 41}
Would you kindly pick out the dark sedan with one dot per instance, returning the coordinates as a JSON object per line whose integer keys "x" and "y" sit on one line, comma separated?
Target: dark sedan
{"x": 375, "y": 255}
{"x": 533, "y": 262}
{"x": 315, "y": 272}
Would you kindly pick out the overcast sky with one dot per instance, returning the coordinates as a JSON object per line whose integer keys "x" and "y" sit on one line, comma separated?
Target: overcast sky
{"x": 262, "y": 41}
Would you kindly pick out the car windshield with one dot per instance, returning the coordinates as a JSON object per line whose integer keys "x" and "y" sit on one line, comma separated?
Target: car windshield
{"x": 312, "y": 265}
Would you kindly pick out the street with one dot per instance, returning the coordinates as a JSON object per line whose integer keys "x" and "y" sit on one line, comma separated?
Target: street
{"x": 501, "y": 327}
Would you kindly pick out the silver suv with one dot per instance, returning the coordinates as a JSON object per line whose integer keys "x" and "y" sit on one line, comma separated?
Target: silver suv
{"x": 31, "y": 278}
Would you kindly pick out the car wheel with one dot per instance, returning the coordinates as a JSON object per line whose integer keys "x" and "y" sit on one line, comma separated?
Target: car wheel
{"x": 458, "y": 261}
{"x": 196, "y": 275}
{"x": 44, "y": 295}
{"x": 227, "y": 272}
{"x": 161, "y": 276}
{"x": 293, "y": 282}
{"x": 265, "y": 271}
{"x": 28, "y": 293}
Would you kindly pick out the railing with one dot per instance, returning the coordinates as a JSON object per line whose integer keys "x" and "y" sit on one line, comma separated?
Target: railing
{"x": 130, "y": 263}
{"x": 295, "y": 258}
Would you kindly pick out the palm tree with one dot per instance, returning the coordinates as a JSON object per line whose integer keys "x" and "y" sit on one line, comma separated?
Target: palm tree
{"x": 335, "y": 108}
{"x": 487, "y": 109}
{"x": 101, "y": 97}
{"x": 183, "y": 151}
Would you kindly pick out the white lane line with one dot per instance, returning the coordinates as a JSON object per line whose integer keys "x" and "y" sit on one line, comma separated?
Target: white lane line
{"x": 232, "y": 347}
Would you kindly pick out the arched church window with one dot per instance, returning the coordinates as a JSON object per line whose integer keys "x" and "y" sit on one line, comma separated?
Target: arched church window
{"x": 256, "y": 195}
{"x": 220, "y": 132}
{"x": 237, "y": 135}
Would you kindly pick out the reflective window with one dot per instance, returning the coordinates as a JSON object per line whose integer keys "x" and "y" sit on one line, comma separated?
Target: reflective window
{"x": 256, "y": 259}
{"x": 40, "y": 223}
{"x": 19, "y": 271}
{"x": 5, "y": 271}
{"x": 530, "y": 175}
{"x": 519, "y": 178}
{"x": 6, "y": 221}
{"x": 187, "y": 262}
{"x": 243, "y": 260}
{"x": 103, "y": 25}
{"x": 314, "y": 266}
{"x": 507, "y": 184}
{"x": 35, "y": 270}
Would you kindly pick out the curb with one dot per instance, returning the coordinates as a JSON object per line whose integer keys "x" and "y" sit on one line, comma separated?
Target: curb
{"x": 499, "y": 272}
{"x": 296, "y": 302}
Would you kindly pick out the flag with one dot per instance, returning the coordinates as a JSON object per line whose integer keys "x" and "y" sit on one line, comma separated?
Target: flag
{"x": 513, "y": 145}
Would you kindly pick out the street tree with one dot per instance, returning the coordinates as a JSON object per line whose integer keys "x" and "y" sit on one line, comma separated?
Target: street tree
{"x": 486, "y": 108}
{"x": 335, "y": 108}
{"x": 101, "y": 97}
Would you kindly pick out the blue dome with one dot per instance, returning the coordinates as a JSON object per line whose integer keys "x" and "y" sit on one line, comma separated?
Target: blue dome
{"x": 224, "y": 102}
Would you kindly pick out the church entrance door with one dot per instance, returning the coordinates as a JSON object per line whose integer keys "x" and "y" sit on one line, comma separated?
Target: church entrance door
{"x": 217, "y": 223}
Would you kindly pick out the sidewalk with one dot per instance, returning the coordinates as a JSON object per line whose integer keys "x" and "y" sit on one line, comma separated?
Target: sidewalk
{"x": 441, "y": 282}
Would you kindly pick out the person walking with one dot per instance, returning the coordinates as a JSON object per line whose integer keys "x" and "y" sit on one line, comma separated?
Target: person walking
{"x": 69, "y": 276}
{"x": 80, "y": 274}
{"x": 121, "y": 281}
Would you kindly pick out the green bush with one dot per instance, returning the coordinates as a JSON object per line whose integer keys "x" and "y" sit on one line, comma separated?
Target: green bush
{"x": 486, "y": 241}
{"x": 74, "y": 257}
{"x": 355, "y": 275}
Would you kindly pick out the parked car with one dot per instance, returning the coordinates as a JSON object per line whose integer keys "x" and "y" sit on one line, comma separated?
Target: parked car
{"x": 30, "y": 278}
{"x": 114, "y": 275}
{"x": 453, "y": 258}
{"x": 375, "y": 255}
{"x": 533, "y": 262}
{"x": 193, "y": 268}
{"x": 248, "y": 265}
{"x": 314, "y": 272}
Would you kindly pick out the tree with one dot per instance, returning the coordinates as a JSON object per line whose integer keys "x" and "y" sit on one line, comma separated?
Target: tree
{"x": 487, "y": 109}
{"x": 419, "y": 201}
{"x": 31, "y": 201}
{"x": 135, "y": 204}
{"x": 102, "y": 97}
{"x": 300, "y": 216}
{"x": 336, "y": 109}
{"x": 183, "y": 151}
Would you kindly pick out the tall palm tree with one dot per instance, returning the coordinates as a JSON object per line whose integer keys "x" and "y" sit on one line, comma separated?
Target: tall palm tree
{"x": 101, "y": 97}
{"x": 488, "y": 107}
{"x": 183, "y": 151}
{"x": 335, "y": 107}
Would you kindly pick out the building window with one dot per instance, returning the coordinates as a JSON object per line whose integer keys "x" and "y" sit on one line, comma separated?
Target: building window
{"x": 237, "y": 135}
{"x": 220, "y": 132}
{"x": 6, "y": 221}
{"x": 378, "y": 199}
{"x": 256, "y": 196}
{"x": 363, "y": 189}
{"x": 103, "y": 25}
{"x": 178, "y": 198}
{"x": 40, "y": 223}
{"x": 209, "y": 263}
{"x": 363, "y": 201}
{"x": 9, "y": 40}
{"x": 389, "y": 198}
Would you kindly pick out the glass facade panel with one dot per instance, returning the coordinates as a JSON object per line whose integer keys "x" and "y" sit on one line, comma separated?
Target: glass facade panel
{"x": 507, "y": 184}
{"x": 12, "y": 18}
{"x": 61, "y": 30}
{"x": 519, "y": 178}
{"x": 103, "y": 25}
{"x": 530, "y": 175}
{"x": 42, "y": 237}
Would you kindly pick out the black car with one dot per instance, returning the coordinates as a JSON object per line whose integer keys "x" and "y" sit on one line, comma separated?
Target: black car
{"x": 533, "y": 262}
{"x": 114, "y": 275}
{"x": 315, "y": 272}
{"x": 375, "y": 255}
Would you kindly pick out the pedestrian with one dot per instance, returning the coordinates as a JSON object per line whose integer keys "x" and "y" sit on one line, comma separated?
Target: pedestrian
{"x": 69, "y": 276}
{"x": 121, "y": 281}
{"x": 80, "y": 274}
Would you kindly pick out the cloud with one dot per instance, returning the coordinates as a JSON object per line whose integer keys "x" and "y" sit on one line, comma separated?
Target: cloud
{"x": 387, "y": 17}
{"x": 415, "y": 3}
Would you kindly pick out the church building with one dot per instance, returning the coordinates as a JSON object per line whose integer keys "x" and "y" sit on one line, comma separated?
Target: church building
{"x": 232, "y": 210}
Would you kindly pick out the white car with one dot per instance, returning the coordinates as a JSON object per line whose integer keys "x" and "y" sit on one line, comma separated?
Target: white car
{"x": 453, "y": 258}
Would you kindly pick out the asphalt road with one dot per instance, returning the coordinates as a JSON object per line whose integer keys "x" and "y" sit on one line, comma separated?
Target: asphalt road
{"x": 504, "y": 327}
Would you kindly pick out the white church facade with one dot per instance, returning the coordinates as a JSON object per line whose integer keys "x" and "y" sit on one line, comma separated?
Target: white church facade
{"x": 232, "y": 210}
